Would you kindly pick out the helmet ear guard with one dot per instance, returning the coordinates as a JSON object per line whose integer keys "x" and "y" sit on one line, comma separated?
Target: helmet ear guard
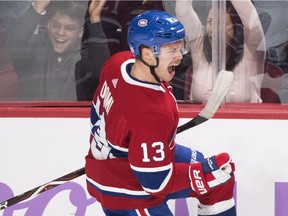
{"x": 153, "y": 29}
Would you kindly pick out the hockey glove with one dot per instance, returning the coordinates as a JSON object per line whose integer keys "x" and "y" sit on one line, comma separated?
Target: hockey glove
{"x": 210, "y": 173}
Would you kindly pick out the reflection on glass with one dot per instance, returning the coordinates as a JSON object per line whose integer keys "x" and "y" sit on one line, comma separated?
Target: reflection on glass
{"x": 274, "y": 19}
{"x": 52, "y": 56}
{"x": 45, "y": 49}
{"x": 245, "y": 50}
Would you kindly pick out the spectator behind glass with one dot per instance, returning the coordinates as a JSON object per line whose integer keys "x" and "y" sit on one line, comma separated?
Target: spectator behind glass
{"x": 8, "y": 77}
{"x": 45, "y": 56}
{"x": 244, "y": 55}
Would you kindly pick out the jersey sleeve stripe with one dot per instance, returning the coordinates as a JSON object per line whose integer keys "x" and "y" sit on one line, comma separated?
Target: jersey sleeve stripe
{"x": 153, "y": 180}
{"x": 115, "y": 191}
{"x": 151, "y": 169}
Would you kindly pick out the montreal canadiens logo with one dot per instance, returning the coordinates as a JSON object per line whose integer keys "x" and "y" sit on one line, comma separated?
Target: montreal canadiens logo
{"x": 142, "y": 22}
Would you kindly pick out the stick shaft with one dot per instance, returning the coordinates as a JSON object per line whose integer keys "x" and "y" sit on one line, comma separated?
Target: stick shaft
{"x": 221, "y": 86}
{"x": 42, "y": 188}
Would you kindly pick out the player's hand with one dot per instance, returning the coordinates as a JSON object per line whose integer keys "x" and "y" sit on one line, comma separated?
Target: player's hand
{"x": 211, "y": 172}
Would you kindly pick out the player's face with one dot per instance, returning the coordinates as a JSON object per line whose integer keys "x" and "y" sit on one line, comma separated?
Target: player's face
{"x": 64, "y": 32}
{"x": 169, "y": 57}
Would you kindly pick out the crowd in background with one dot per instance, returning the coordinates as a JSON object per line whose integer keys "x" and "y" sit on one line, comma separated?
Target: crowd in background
{"x": 54, "y": 52}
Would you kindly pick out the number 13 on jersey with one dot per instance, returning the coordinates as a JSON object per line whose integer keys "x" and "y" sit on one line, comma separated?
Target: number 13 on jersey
{"x": 156, "y": 153}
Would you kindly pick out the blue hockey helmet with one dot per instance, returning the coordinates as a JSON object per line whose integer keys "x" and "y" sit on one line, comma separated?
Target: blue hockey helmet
{"x": 154, "y": 28}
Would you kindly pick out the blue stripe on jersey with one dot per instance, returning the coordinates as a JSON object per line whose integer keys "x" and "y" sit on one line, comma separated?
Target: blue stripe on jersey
{"x": 94, "y": 116}
{"x": 153, "y": 179}
{"x": 118, "y": 154}
{"x": 115, "y": 191}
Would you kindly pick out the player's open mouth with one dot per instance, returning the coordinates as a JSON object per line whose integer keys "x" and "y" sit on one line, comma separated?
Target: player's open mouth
{"x": 171, "y": 69}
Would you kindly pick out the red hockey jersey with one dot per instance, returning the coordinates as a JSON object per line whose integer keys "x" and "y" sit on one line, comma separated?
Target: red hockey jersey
{"x": 130, "y": 163}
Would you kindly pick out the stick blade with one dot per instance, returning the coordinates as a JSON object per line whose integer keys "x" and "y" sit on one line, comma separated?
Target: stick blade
{"x": 221, "y": 86}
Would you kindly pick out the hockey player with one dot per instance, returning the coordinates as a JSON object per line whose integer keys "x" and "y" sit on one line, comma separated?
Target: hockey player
{"x": 134, "y": 165}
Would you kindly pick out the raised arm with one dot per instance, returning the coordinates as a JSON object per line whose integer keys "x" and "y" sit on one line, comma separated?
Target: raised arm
{"x": 253, "y": 31}
{"x": 189, "y": 18}
{"x": 27, "y": 23}
{"x": 94, "y": 54}
{"x": 21, "y": 34}
{"x": 95, "y": 9}
{"x": 40, "y": 6}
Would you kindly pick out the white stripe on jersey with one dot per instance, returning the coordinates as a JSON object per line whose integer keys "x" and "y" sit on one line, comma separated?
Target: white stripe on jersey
{"x": 116, "y": 189}
{"x": 132, "y": 81}
{"x": 152, "y": 169}
{"x": 145, "y": 210}
{"x": 216, "y": 208}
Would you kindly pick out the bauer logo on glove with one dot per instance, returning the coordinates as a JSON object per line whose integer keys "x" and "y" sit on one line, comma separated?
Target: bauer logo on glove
{"x": 210, "y": 173}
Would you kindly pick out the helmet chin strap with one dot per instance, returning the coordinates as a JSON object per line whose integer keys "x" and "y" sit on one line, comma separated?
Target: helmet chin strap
{"x": 152, "y": 68}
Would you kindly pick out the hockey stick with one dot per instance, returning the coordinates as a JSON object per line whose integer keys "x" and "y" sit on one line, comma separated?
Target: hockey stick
{"x": 221, "y": 86}
{"x": 220, "y": 89}
{"x": 37, "y": 190}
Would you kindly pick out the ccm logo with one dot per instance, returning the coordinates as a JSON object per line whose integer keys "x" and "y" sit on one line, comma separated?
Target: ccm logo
{"x": 198, "y": 182}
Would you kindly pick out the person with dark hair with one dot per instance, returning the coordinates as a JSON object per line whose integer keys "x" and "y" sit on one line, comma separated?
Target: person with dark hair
{"x": 245, "y": 50}
{"x": 133, "y": 165}
{"x": 46, "y": 51}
